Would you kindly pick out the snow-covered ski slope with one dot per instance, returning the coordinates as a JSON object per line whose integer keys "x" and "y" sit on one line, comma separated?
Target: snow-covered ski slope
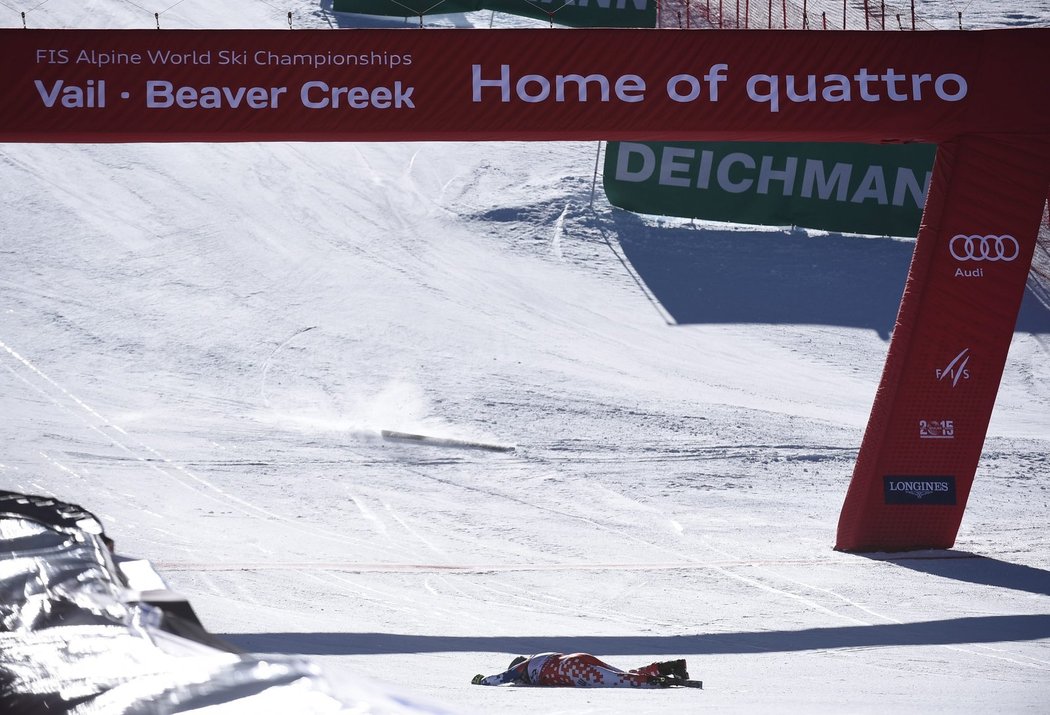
{"x": 202, "y": 343}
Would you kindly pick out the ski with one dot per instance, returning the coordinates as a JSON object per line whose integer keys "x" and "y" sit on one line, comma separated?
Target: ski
{"x": 395, "y": 436}
{"x": 679, "y": 682}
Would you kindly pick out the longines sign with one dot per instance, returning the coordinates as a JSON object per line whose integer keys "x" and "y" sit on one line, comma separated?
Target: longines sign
{"x": 927, "y": 490}
{"x": 142, "y": 85}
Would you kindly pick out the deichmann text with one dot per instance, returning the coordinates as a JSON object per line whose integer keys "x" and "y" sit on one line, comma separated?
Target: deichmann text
{"x": 739, "y": 172}
{"x": 773, "y": 90}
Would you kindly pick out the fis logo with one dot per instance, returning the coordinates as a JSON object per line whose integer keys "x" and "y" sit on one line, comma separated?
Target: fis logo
{"x": 955, "y": 370}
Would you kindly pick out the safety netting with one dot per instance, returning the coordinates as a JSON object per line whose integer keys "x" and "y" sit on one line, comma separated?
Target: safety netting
{"x": 790, "y": 15}
{"x": 1039, "y": 275}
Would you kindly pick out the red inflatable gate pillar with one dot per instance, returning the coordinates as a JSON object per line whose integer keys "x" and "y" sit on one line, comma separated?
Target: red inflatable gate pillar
{"x": 949, "y": 346}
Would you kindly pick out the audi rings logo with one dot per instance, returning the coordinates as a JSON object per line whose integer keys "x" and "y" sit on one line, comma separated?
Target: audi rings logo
{"x": 984, "y": 248}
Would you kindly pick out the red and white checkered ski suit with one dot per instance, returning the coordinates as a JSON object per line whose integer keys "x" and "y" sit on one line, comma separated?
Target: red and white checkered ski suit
{"x": 580, "y": 670}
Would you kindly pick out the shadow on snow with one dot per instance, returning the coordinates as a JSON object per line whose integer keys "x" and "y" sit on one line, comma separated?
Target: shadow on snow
{"x": 952, "y": 631}
{"x": 973, "y": 568}
{"x": 778, "y": 277}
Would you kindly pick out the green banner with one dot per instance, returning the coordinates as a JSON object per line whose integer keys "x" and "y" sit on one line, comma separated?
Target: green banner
{"x": 405, "y": 8}
{"x": 876, "y": 189}
{"x": 581, "y": 13}
{"x": 574, "y": 13}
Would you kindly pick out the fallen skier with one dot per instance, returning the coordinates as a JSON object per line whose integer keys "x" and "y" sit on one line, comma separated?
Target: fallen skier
{"x": 583, "y": 670}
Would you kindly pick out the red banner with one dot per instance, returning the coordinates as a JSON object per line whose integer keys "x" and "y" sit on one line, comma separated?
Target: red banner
{"x": 366, "y": 85}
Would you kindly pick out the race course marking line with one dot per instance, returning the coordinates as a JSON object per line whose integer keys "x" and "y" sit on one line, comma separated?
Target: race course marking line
{"x": 471, "y": 568}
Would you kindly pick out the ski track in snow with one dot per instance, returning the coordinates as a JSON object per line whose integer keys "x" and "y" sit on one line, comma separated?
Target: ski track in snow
{"x": 978, "y": 650}
{"x": 171, "y": 470}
